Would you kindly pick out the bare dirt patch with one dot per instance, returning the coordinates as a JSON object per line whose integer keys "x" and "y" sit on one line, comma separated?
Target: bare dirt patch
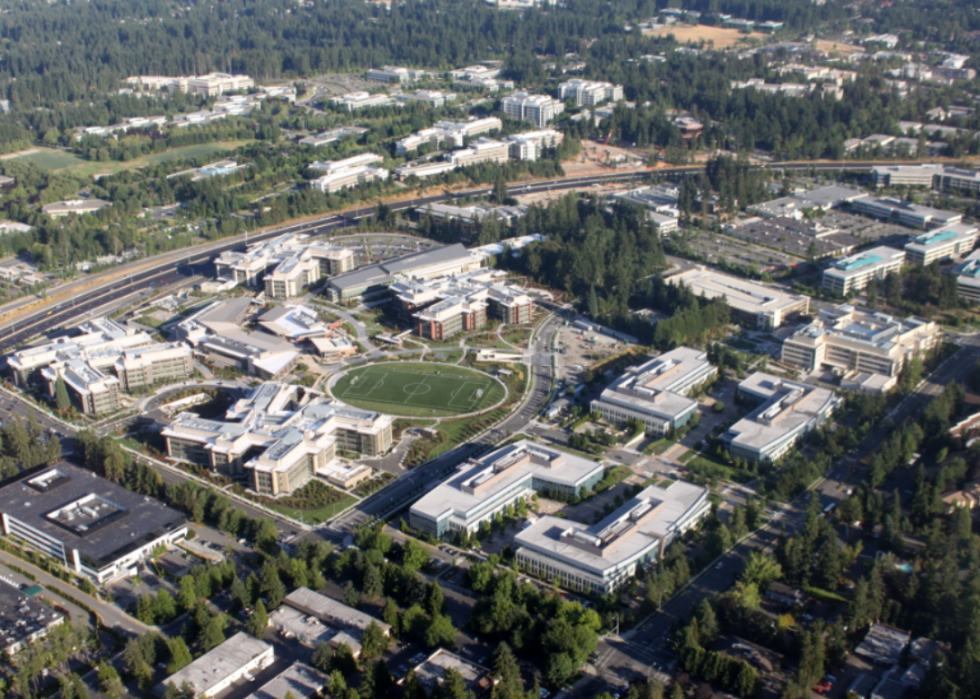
{"x": 719, "y": 37}
{"x": 839, "y": 47}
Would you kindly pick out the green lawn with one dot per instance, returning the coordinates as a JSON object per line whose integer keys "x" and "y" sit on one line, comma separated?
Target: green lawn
{"x": 51, "y": 159}
{"x": 414, "y": 389}
{"x": 318, "y": 516}
{"x": 659, "y": 447}
{"x": 190, "y": 152}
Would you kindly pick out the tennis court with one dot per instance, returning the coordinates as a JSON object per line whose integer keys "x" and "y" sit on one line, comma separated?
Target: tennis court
{"x": 417, "y": 389}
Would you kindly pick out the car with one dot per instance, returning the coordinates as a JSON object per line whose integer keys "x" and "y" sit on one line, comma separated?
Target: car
{"x": 544, "y": 693}
{"x": 820, "y": 690}
{"x": 719, "y": 565}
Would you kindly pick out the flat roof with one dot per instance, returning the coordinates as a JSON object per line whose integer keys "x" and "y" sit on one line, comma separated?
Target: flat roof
{"x": 859, "y": 262}
{"x": 22, "y": 616}
{"x": 742, "y": 294}
{"x": 479, "y": 481}
{"x": 300, "y": 679}
{"x": 135, "y": 520}
{"x": 433, "y": 670}
{"x": 330, "y": 611}
{"x": 219, "y": 663}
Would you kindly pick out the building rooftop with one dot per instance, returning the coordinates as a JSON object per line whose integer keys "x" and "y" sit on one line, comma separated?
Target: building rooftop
{"x": 384, "y": 272}
{"x": 433, "y": 670}
{"x": 883, "y": 644}
{"x": 301, "y": 680}
{"x": 478, "y": 482}
{"x": 96, "y": 517}
{"x": 21, "y": 616}
{"x": 219, "y": 663}
{"x": 857, "y": 263}
{"x": 742, "y": 294}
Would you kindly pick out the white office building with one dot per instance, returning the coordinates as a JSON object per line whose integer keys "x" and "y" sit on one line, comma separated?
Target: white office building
{"x": 221, "y": 667}
{"x": 655, "y": 393}
{"x": 530, "y": 145}
{"x": 602, "y": 557}
{"x": 968, "y": 277}
{"x": 589, "y": 93}
{"x": 947, "y": 243}
{"x": 538, "y": 109}
{"x": 905, "y": 212}
{"x": 856, "y": 272}
{"x": 788, "y": 411}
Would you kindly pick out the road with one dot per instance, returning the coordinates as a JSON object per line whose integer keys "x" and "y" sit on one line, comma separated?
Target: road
{"x": 646, "y": 650}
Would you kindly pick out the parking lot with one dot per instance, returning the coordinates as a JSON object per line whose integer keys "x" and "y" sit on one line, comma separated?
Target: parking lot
{"x": 867, "y": 230}
{"x": 714, "y": 247}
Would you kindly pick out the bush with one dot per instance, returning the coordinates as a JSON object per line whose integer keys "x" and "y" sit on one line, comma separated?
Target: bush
{"x": 718, "y": 406}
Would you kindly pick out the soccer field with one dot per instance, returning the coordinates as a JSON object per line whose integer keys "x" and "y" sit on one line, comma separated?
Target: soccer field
{"x": 416, "y": 389}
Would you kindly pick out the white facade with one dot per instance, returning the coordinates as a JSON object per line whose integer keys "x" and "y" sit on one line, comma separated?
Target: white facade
{"x": 589, "y": 93}
{"x": 856, "y": 272}
{"x": 538, "y": 109}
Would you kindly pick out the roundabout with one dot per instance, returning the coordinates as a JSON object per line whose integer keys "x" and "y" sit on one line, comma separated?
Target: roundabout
{"x": 418, "y": 389}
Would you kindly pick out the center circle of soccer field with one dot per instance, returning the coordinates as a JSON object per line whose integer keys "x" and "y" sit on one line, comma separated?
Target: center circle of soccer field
{"x": 419, "y": 389}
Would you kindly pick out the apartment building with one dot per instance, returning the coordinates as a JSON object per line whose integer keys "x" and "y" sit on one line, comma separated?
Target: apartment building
{"x": 538, "y": 109}
{"x": 856, "y": 272}
{"x": 482, "y": 150}
{"x": 482, "y": 487}
{"x": 589, "y": 93}
{"x": 530, "y": 145}
{"x": 753, "y": 305}
{"x": 279, "y": 438}
{"x": 905, "y": 212}
{"x": 787, "y": 411}
{"x": 948, "y": 243}
{"x": 655, "y": 393}
{"x": 968, "y": 277}
{"x": 604, "y": 556}
{"x": 851, "y": 340}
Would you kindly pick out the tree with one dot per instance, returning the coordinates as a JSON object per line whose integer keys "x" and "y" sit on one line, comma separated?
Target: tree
{"x": 61, "y": 399}
{"x": 507, "y": 673}
{"x": 351, "y": 596}
{"x": 187, "y": 593}
{"x": 343, "y": 660}
{"x": 558, "y": 668}
{"x": 873, "y": 293}
{"x": 375, "y": 642}
{"x": 707, "y": 621}
{"x": 109, "y": 681}
{"x": 373, "y": 584}
{"x": 266, "y": 533}
{"x": 164, "y": 607}
{"x": 440, "y": 632}
{"x": 390, "y": 615}
{"x": 593, "y": 303}
{"x": 414, "y": 621}
{"x": 180, "y": 656}
{"x": 453, "y": 686}
{"x": 213, "y": 633}
{"x": 322, "y": 656}
{"x": 338, "y": 685}
{"x": 414, "y": 556}
{"x": 258, "y": 621}
{"x": 144, "y": 609}
{"x": 239, "y": 593}
{"x": 437, "y": 601}
{"x": 762, "y": 570}
{"x": 413, "y": 688}
{"x": 272, "y": 585}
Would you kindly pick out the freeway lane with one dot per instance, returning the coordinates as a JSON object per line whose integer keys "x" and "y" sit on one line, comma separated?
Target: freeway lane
{"x": 165, "y": 268}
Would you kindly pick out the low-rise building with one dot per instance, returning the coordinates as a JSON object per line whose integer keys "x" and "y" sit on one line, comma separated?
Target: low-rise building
{"x": 819, "y": 199}
{"x": 856, "y": 272}
{"x": 313, "y": 618}
{"x": 60, "y": 209}
{"x": 655, "y": 393}
{"x": 299, "y": 681}
{"x": 884, "y": 644}
{"x": 589, "y": 93}
{"x": 968, "y": 277}
{"x": 788, "y": 411}
{"x": 947, "y": 243}
{"x": 531, "y": 145}
{"x": 395, "y": 74}
{"x": 23, "y": 619}
{"x": 353, "y": 101}
{"x": 905, "y": 212}
{"x": 278, "y": 438}
{"x": 295, "y": 322}
{"x": 94, "y": 527}
{"x": 484, "y": 486}
{"x": 433, "y": 98}
{"x": 851, "y": 340}
{"x": 431, "y": 672}
{"x": 482, "y": 150}
{"x": 604, "y": 556}
{"x": 753, "y": 305}
{"x": 221, "y": 667}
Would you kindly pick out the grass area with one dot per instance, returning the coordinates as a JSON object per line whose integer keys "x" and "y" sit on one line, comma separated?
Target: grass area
{"x": 742, "y": 344}
{"x": 51, "y": 159}
{"x": 659, "y": 447}
{"x": 616, "y": 475}
{"x": 665, "y": 483}
{"x": 414, "y": 389}
{"x": 317, "y": 516}
{"x": 149, "y": 321}
{"x": 824, "y": 595}
{"x": 456, "y": 432}
{"x": 710, "y": 467}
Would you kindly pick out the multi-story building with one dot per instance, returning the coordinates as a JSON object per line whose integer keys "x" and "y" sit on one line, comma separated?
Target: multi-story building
{"x": 603, "y": 557}
{"x": 856, "y": 272}
{"x": 23, "y": 620}
{"x": 450, "y": 317}
{"x": 753, "y": 305}
{"x": 850, "y": 340}
{"x": 210, "y": 85}
{"x": 292, "y": 261}
{"x": 947, "y": 243}
{"x": 589, "y": 93}
{"x": 538, "y": 109}
{"x": 482, "y": 487}
{"x": 282, "y": 436}
{"x": 905, "y": 175}
{"x": 424, "y": 170}
{"x": 787, "y": 412}
{"x": 530, "y": 145}
{"x": 94, "y": 527}
{"x": 352, "y": 177}
{"x": 433, "y": 98}
{"x": 395, "y": 74}
{"x": 655, "y": 393}
{"x": 353, "y": 101}
{"x": 660, "y": 201}
{"x": 482, "y": 150}
{"x": 905, "y": 212}
{"x": 146, "y": 366}
{"x": 968, "y": 277}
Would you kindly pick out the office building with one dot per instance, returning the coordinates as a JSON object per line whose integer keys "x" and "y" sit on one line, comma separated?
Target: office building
{"x": 145, "y": 366}
{"x": 375, "y": 279}
{"x": 451, "y": 133}
{"x": 295, "y": 323}
{"x": 589, "y": 93}
{"x": 753, "y": 305}
{"x": 856, "y": 272}
{"x": 395, "y": 75}
{"x": 655, "y": 393}
{"x": 299, "y": 681}
{"x": 948, "y": 243}
{"x": 538, "y": 109}
{"x": 210, "y": 85}
{"x": 279, "y": 438}
{"x": 60, "y": 209}
{"x": 312, "y": 618}
{"x": 819, "y": 199}
{"x": 603, "y": 557}
{"x": 344, "y": 179}
{"x": 968, "y": 277}
{"x": 905, "y": 175}
{"x": 353, "y": 101}
{"x": 787, "y": 411}
{"x": 433, "y": 98}
{"x": 221, "y": 667}
{"x": 295, "y": 262}
{"x": 905, "y": 212}
{"x": 431, "y": 673}
{"x": 23, "y": 619}
{"x": 332, "y": 136}
{"x": 484, "y": 486}
{"x": 482, "y": 150}
{"x": 851, "y": 340}
{"x": 468, "y": 216}
{"x": 450, "y": 317}
{"x": 531, "y": 145}
{"x": 660, "y": 201}
{"x": 94, "y": 527}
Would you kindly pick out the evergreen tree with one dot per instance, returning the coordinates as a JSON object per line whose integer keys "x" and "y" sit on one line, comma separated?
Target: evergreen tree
{"x": 258, "y": 621}
{"x": 180, "y": 656}
{"x": 374, "y": 642}
{"x": 437, "y": 602}
{"x": 593, "y": 304}
{"x": 61, "y": 399}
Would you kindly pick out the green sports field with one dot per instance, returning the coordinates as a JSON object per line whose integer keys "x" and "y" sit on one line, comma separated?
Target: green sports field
{"x": 415, "y": 389}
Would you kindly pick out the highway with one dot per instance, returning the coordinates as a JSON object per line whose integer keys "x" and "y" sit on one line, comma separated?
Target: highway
{"x": 173, "y": 267}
